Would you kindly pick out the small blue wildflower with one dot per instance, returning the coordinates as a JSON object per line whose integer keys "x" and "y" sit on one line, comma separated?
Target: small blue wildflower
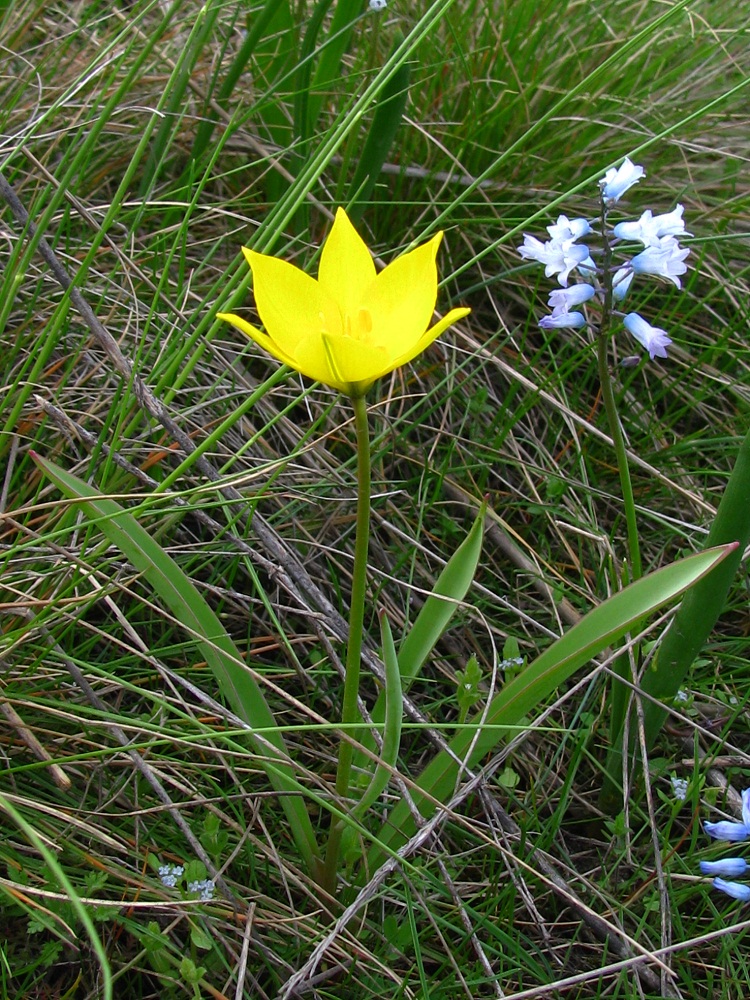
{"x": 561, "y": 299}
{"x": 725, "y": 868}
{"x": 650, "y": 229}
{"x": 205, "y": 887}
{"x": 568, "y": 229}
{"x": 559, "y": 257}
{"x": 679, "y": 788}
{"x": 653, "y": 338}
{"x": 169, "y": 875}
{"x": 562, "y": 321}
{"x": 734, "y": 889}
{"x": 616, "y": 182}
{"x": 665, "y": 260}
{"x": 378, "y": 4}
{"x": 724, "y": 830}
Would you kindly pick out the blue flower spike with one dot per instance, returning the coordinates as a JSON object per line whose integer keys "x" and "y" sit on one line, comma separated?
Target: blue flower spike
{"x": 567, "y": 260}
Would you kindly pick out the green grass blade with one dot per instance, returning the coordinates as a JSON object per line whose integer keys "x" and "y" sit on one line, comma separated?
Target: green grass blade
{"x": 174, "y": 96}
{"x": 394, "y": 713}
{"x": 40, "y": 845}
{"x": 259, "y": 22}
{"x": 602, "y": 626}
{"x": 180, "y": 595}
{"x": 436, "y": 612}
{"x": 386, "y": 120}
{"x": 329, "y": 65}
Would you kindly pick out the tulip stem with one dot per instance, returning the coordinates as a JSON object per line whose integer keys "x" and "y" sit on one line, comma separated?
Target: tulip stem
{"x": 350, "y": 709}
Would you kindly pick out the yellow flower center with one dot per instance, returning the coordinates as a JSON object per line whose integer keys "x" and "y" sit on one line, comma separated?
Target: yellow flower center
{"x": 359, "y": 327}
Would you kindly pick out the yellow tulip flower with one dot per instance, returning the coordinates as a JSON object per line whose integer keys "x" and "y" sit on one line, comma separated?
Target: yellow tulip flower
{"x": 353, "y": 324}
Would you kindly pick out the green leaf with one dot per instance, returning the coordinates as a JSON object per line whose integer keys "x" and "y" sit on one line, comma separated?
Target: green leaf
{"x": 436, "y": 612}
{"x": 180, "y": 596}
{"x": 385, "y": 122}
{"x": 451, "y": 588}
{"x": 526, "y": 693}
{"x": 695, "y": 618}
{"x": 704, "y": 603}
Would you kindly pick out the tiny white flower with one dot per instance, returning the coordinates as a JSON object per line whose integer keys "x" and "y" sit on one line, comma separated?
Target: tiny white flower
{"x": 616, "y": 182}
{"x": 169, "y": 875}
{"x": 378, "y": 4}
{"x": 680, "y": 790}
{"x": 654, "y": 339}
{"x": 205, "y": 887}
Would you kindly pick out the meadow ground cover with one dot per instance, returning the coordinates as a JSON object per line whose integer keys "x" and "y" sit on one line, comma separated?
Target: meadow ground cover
{"x": 179, "y": 526}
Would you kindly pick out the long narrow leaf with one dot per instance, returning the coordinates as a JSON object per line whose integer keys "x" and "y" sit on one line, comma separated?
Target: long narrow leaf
{"x": 601, "y": 627}
{"x": 385, "y": 123}
{"x": 182, "y": 598}
{"x": 696, "y": 616}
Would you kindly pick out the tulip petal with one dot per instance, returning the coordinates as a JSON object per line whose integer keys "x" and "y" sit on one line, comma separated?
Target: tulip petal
{"x": 340, "y": 362}
{"x": 346, "y": 268}
{"x": 351, "y": 326}
{"x": 291, "y": 304}
{"x": 260, "y": 338}
{"x": 424, "y": 342}
{"x": 402, "y": 299}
